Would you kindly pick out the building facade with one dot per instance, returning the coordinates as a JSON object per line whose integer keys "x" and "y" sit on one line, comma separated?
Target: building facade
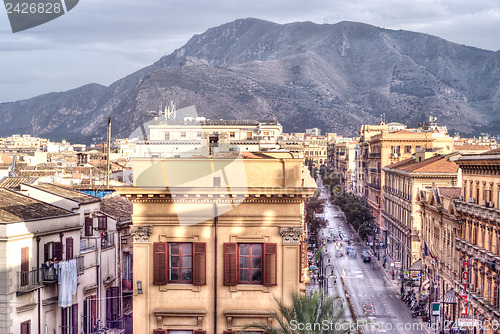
{"x": 479, "y": 243}
{"x": 400, "y": 213}
{"x": 441, "y": 267}
{"x": 213, "y": 242}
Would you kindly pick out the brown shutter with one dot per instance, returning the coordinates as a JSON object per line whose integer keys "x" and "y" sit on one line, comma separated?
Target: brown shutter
{"x": 270, "y": 265}
{"x": 46, "y": 252}
{"x": 115, "y": 301}
{"x": 74, "y": 319}
{"x": 25, "y": 265}
{"x": 229, "y": 332}
{"x": 200, "y": 263}
{"x": 160, "y": 331}
{"x": 102, "y": 222}
{"x": 88, "y": 227}
{"x": 199, "y": 332}
{"x": 69, "y": 249}
{"x": 26, "y": 327}
{"x": 160, "y": 263}
{"x": 57, "y": 250}
{"x": 230, "y": 263}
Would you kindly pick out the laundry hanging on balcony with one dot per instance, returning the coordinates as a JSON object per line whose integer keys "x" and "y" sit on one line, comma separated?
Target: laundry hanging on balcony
{"x": 67, "y": 282}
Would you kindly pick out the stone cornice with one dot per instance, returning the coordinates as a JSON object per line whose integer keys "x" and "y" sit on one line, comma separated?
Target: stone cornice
{"x": 478, "y": 211}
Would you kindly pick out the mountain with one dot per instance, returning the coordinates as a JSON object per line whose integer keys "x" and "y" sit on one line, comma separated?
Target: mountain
{"x": 335, "y": 77}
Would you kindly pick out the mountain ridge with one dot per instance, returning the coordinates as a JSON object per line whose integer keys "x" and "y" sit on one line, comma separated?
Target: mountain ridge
{"x": 332, "y": 76}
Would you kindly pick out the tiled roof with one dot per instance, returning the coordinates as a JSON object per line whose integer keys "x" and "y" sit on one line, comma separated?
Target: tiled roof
{"x": 14, "y": 183}
{"x": 117, "y": 206}
{"x": 436, "y": 164}
{"x": 453, "y": 192}
{"x": 77, "y": 196}
{"x": 495, "y": 151}
{"x": 467, "y": 147}
{"x": 15, "y": 207}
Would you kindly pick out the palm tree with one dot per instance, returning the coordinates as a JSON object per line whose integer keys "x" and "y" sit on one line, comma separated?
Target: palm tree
{"x": 307, "y": 314}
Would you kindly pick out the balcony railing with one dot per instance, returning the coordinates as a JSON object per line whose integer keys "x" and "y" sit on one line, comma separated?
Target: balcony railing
{"x": 88, "y": 244}
{"x": 374, "y": 155}
{"x": 49, "y": 274}
{"x": 28, "y": 280}
{"x": 80, "y": 264}
{"x": 108, "y": 240}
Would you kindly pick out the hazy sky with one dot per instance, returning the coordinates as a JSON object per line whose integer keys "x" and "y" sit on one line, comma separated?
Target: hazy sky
{"x": 103, "y": 40}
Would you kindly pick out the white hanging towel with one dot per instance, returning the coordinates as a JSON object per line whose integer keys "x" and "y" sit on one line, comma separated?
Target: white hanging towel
{"x": 67, "y": 282}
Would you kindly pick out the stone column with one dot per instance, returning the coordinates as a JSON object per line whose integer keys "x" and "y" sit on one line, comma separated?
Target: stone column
{"x": 290, "y": 260}
{"x": 142, "y": 272}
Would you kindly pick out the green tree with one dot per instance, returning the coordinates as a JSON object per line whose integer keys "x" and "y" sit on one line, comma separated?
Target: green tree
{"x": 303, "y": 313}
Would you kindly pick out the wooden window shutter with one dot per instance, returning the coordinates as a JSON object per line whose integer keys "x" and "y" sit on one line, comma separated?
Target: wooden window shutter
{"x": 26, "y": 327}
{"x": 69, "y": 249}
{"x": 85, "y": 314}
{"x": 74, "y": 319}
{"x": 93, "y": 300}
{"x": 270, "y": 264}
{"x": 25, "y": 265}
{"x": 229, "y": 332}
{"x": 88, "y": 227}
{"x": 230, "y": 263}
{"x": 57, "y": 250}
{"x": 64, "y": 320}
{"x": 46, "y": 252}
{"x": 160, "y": 263}
{"x": 109, "y": 298}
{"x": 200, "y": 263}
{"x": 115, "y": 301}
{"x": 102, "y": 222}
{"x": 199, "y": 332}
{"x": 159, "y": 331}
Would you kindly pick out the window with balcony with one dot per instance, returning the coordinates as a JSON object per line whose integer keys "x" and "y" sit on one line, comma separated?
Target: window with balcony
{"x": 113, "y": 307}
{"x": 69, "y": 320}
{"x": 176, "y": 262}
{"x": 89, "y": 314}
{"x": 407, "y": 149}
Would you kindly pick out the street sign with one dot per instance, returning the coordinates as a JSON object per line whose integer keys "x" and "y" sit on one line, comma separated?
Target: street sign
{"x": 467, "y": 322}
{"x": 397, "y": 264}
{"x": 435, "y": 308}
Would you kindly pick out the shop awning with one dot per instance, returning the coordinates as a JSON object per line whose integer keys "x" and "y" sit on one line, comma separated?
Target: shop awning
{"x": 449, "y": 297}
{"x": 416, "y": 266}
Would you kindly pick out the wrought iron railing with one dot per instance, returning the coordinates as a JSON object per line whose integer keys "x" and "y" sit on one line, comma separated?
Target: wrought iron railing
{"x": 28, "y": 280}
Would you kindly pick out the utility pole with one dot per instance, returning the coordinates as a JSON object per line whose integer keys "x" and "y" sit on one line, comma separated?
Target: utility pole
{"x": 108, "y": 153}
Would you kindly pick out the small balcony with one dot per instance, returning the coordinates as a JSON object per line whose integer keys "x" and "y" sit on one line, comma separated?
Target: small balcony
{"x": 28, "y": 281}
{"x": 108, "y": 240}
{"x": 49, "y": 275}
{"x": 88, "y": 244}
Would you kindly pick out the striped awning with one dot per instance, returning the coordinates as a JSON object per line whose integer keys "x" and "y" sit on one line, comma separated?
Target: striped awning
{"x": 449, "y": 297}
{"x": 416, "y": 266}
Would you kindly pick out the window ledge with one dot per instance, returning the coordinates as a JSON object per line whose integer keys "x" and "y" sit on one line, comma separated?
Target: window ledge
{"x": 249, "y": 287}
{"x": 173, "y": 286}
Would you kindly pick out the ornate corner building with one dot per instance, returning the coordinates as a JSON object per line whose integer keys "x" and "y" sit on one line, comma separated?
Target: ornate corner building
{"x": 216, "y": 240}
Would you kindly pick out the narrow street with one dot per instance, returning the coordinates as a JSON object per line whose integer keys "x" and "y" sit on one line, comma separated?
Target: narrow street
{"x": 365, "y": 282}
